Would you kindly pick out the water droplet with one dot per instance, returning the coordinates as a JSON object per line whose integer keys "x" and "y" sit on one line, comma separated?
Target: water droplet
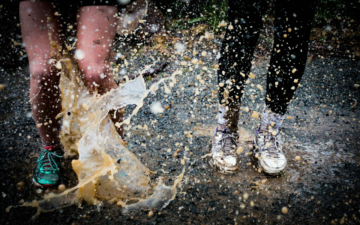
{"x": 284, "y": 210}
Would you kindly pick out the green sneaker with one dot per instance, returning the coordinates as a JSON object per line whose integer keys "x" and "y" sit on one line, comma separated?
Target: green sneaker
{"x": 47, "y": 171}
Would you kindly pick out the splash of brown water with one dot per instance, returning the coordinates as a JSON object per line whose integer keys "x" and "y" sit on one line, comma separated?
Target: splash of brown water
{"x": 106, "y": 169}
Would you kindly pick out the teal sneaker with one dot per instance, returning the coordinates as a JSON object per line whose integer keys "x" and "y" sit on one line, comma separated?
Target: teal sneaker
{"x": 47, "y": 171}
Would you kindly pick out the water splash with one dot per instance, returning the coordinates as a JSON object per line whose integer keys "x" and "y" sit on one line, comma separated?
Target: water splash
{"x": 106, "y": 169}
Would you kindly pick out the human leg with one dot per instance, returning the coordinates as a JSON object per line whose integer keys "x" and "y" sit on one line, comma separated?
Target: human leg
{"x": 293, "y": 22}
{"x": 96, "y": 32}
{"x": 245, "y": 21}
{"x": 37, "y": 21}
{"x": 242, "y": 33}
{"x": 292, "y": 30}
{"x": 44, "y": 93}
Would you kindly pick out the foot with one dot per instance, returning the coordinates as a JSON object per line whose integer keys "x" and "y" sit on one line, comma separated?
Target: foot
{"x": 267, "y": 152}
{"x": 47, "y": 171}
{"x": 223, "y": 151}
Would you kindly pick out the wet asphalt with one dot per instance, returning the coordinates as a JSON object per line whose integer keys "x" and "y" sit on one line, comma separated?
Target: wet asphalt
{"x": 322, "y": 128}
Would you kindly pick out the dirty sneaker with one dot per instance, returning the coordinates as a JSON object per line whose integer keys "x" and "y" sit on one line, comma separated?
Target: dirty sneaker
{"x": 47, "y": 171}
{"x": 224, "y": 143}
{"x": 223, "y": 152}
{"x": 267, "y": 147}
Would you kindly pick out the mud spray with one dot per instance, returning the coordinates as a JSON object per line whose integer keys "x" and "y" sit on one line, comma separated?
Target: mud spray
{"x": 106, "y": 169}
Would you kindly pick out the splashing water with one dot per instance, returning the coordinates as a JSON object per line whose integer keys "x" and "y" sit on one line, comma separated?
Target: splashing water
{"x": 88, "y": 131}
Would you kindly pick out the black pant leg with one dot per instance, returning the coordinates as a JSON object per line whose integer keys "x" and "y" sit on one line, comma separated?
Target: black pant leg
{"x": 293, "y": 22}
{"x": 242, "y": 33}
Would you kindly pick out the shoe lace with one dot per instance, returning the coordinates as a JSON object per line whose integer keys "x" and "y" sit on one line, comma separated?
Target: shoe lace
{"x": 47, "y": 160}
{"x": 274, "y": 149}
{"x": 227, "y": 142}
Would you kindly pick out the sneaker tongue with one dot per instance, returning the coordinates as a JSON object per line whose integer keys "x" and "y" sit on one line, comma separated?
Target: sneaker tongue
{"x": 272, "y": 150}
{"x": 47, "y": 161}
{"x": 229, "y": 144}
{"x": 50, "y": 148}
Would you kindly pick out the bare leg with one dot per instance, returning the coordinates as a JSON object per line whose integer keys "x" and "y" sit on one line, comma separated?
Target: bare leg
{"x": 96, "y": 32}
{"x": 44, "y": 81}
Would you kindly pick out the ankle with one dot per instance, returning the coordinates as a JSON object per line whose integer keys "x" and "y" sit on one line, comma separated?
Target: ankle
{"x": 52, "y": 143}
{"x": 53, "y": 147}
{"x": 228, "y": 117}
{"x": 270, "y": 121}
{"x": 223, "y": 128}
{"x": 220, "y": 127}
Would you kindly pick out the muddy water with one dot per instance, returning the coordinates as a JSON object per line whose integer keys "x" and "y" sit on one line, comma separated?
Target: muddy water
{"x": 326, "y": 154}
{"x": 105, "y": 168}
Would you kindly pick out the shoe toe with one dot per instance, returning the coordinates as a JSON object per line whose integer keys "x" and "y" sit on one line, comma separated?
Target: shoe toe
{"x": 230, "y": 161}
{"x": 48, "y": 179}
{"x": 225, "y": 164}
{"x": 273, "y": 165}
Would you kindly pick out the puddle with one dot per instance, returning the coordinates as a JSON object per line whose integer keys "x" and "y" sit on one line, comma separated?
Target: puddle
{"x": 321, "y": 156}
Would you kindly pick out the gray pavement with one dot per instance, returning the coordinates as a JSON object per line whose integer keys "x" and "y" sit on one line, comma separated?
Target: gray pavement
{"x": 322, "y": 128}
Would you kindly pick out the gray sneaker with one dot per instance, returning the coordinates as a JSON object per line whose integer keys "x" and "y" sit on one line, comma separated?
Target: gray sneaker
{"x": 223, "y": 151}
{"x": 267, "y": 152}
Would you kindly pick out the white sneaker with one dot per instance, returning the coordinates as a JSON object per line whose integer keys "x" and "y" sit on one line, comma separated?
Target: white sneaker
{"x": 268, "y": 154}
{"x": 223, "y": 152}
{"x": 267, "y": 147}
